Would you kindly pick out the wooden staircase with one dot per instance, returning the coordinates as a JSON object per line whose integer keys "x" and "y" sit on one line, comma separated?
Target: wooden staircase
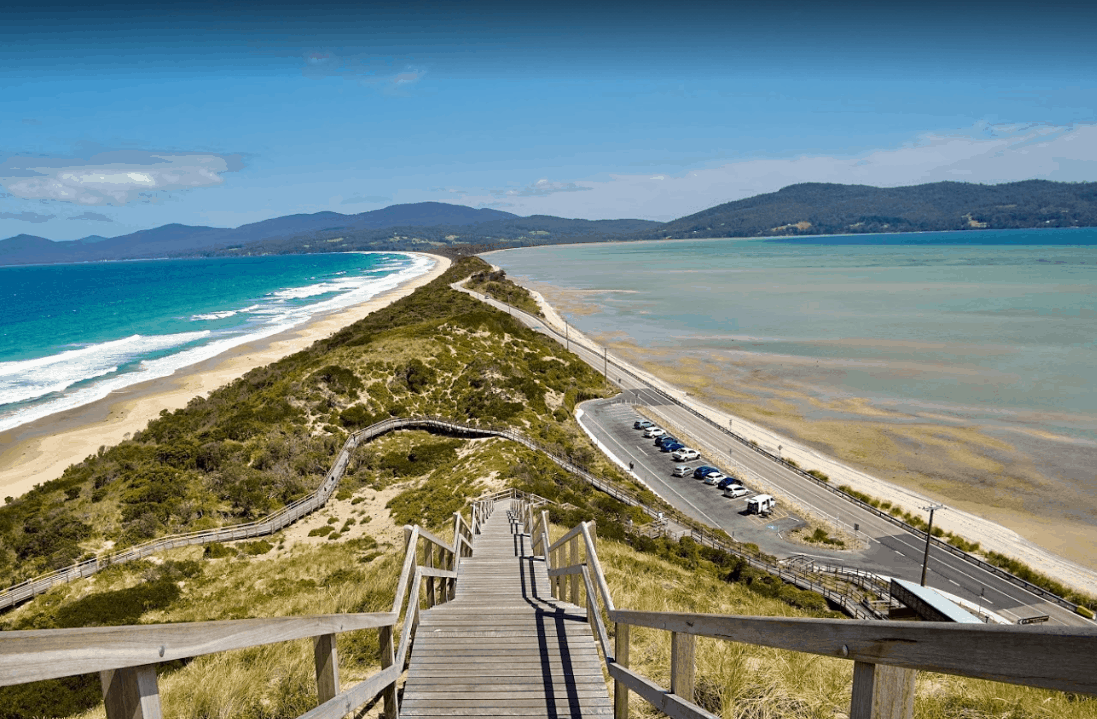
{"x": 503, "y": 646}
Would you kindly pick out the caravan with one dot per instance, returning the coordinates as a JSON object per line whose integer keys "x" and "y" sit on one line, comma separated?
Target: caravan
{"x": 762, "y": 504}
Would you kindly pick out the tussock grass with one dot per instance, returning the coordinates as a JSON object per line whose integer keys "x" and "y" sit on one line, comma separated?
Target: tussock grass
{"x": 742, "y": 681}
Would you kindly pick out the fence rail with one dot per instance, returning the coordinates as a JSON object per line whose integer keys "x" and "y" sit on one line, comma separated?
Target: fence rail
{"x": 886, "y": 656}
{"x": 935, "y": 541}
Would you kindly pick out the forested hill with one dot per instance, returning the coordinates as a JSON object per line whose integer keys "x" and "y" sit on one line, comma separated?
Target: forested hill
{"x": 823, "y": 209}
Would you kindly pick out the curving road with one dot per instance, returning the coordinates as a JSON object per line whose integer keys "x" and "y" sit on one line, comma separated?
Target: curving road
{"x": 888, "y": 549}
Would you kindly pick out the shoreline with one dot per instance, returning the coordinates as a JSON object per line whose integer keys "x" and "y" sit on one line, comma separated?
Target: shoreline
{"x": 41, "y": 450}
{"x": 695, "y": 387}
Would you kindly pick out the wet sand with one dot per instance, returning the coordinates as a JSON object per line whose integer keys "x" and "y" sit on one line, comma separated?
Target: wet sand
{"x": 40, "y": 451}
{"x": 1000, "y": 481}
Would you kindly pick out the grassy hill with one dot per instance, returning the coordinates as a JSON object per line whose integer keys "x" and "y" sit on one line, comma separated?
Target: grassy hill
{"x": 818, "y": 208}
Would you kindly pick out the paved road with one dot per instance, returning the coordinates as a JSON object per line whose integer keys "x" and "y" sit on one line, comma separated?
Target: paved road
{"x": 889, "y": 551}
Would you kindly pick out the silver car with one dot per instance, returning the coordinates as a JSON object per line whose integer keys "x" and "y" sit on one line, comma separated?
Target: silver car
{"x": 685, "y": 454}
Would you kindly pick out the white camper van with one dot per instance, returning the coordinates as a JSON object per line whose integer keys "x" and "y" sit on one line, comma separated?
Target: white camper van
{"x": 762, "y": 504}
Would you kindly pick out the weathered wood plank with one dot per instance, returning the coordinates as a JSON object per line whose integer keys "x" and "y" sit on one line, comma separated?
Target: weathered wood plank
{"x": 672, "y": 705}
{"x": 37, "y": 654}
{"x": 1068, "y": 655}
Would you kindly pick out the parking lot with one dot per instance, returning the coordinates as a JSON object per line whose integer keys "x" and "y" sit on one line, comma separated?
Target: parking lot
{"x": 613, "y": 422}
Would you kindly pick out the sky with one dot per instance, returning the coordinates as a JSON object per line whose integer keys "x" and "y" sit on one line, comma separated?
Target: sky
{"x": 121, "y": 117}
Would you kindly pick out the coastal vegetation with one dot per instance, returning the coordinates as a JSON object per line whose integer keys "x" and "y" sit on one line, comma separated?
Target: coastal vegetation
{"x": 495, "y": 284}
{"x": 268, "y": 438}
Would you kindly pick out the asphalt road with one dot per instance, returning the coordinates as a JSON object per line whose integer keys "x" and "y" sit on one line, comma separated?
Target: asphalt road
{"x": 889, "y": 550}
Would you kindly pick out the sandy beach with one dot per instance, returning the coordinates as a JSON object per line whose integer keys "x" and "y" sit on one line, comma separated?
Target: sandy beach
{"x": 908, "y": 463}
{"x": 40, "y": 451}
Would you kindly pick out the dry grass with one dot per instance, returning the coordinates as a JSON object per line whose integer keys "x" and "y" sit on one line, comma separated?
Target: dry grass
{"x": 741, "y": 681}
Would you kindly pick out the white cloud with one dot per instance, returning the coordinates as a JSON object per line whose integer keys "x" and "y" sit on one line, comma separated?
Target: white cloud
{"x": 113, "y": 178}
{"x": 983, "y": 153}
{"x": 541, "y": 188}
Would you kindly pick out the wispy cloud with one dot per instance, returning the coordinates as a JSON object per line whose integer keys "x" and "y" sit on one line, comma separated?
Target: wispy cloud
{"x": 984, "y": 152}
{"x": 26, "y": 216}
{"x": 92, "y": 216}
{"x": 113, "y": 178}
{"x": 384, "y": 73}
{"x": 542, "y": 188}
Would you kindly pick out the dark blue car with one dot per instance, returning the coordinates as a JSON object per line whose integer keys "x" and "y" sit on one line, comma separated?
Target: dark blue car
{"x": 703, "y": 471}
{"x": 671, "y": 446}
{"x": 728, "y": 482}
{"x": 665, "y": 439}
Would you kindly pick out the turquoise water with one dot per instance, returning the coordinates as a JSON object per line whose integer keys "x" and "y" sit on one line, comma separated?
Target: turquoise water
{"x": 71, "y": 334}
{"x": 993, "y": 327}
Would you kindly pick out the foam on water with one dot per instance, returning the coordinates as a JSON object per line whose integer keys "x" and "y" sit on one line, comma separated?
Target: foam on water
{"x": 34, "y": 388}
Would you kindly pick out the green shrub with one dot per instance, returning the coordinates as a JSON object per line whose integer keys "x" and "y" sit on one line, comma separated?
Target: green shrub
{"x": 217, "y": 550}
{"x": 322, "y": 531}
{"x": 256, "y": 548}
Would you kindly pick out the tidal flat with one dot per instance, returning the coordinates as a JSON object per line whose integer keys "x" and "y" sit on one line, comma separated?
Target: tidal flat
{"x": 966, "y": 373}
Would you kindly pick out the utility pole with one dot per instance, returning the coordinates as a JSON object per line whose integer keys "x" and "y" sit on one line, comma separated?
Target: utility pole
{"x": 605, "y": 363}
{"x": 929, "y": 535}
{"x": 567, "y": 338}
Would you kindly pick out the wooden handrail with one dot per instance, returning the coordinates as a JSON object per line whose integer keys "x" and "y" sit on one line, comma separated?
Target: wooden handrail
{"x": 37, "y": 654}
{"x": 1067, "y": 656}
{"x": 886, "y": 655}
{"x": 126, "y": 656}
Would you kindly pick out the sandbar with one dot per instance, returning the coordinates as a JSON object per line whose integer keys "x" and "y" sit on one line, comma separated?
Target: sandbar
{"x": 40, "y": 451}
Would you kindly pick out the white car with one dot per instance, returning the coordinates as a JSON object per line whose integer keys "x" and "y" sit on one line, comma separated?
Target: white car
{"x": 654, "y": 432}
{"x": 685, "y": 454}
{"x": 715, "y": 478}
{"x": 683, "y": 470}
{"x": 735, "y": 491}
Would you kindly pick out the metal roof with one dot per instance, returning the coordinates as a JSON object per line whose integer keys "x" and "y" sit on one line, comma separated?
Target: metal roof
{"x": 929, "y": 603}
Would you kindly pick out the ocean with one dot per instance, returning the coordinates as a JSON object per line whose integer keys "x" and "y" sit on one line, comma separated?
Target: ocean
{"x": 72, "y": 334}
{"x": 992, "y": 330}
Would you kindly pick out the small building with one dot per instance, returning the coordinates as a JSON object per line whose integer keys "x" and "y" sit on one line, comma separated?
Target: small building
{"x": 926, "y": 604}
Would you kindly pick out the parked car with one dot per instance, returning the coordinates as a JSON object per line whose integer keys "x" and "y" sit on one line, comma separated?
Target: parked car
{"x": 665, "y": 439}
{"x": 673, "y": 447}
{"x": 715, "y": 478}
{"x": 728, "y": 481}
{"x": 642, "y": 424}
{"x": 704, "y": 469}
{"x": 734, "y": 491}
{"x": 682, "y": 470}
{"x": 654, "y": 432}
{"x": 684, "y": 454}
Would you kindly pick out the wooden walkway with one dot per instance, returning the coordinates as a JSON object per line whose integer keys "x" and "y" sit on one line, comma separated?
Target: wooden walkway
{"x": 504, "y": 646}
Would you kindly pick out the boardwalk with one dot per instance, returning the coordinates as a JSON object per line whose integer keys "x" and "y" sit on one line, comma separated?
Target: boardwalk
{"x": 504, "y": 646}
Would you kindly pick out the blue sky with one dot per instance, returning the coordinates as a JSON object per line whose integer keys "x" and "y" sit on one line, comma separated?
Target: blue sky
{"x": 117, "y": 117}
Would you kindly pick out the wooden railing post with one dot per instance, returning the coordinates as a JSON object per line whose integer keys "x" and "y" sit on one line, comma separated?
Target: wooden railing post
{"x": 430, "y": 580}
{"x": 620, "y": 656}
{"x": 131, "y": 693}
{"x": 388, "y": 658}
{"x": 574, "y": 545}
{"x": 682, "y": 665}
{"x": 327, "y": 667}
{"x": 882, "y": 692}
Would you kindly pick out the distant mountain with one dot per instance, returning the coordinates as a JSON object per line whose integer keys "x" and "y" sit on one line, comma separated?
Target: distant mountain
{"x": 805, "y": 209}
{"x": 822, "y": 209}
{"x": 181, "y": 240}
